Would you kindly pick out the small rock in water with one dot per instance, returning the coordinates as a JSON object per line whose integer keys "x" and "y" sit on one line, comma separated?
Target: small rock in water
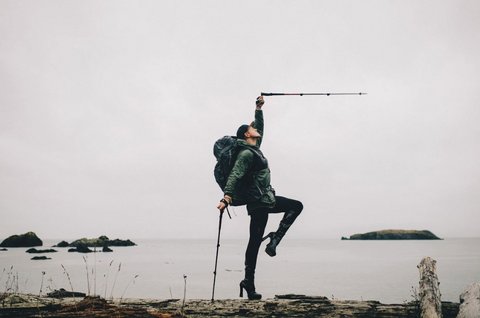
{"x": 36, "y": 258}
{"x": 107, "y": 249}
{"x": 35, "y": 251}
{"x": 62, "y": 244}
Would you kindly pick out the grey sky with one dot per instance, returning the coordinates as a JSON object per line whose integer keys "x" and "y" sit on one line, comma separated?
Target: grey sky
{"x": 109, "y": 111}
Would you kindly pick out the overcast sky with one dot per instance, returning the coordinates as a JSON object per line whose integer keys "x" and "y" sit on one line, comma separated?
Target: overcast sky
{"x": 109, "y": 111}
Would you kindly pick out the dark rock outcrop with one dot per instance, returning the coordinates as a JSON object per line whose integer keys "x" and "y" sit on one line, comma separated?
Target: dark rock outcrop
{"x": 35, "y": 251}
{"x": 29, "y": 239}
{"x": 118, "y": 242}
{"x": 62, "y": 244}
{"x": 106, "y": 249}
{"x": 81, "y": 248}
{"x": 394, "y": 235}
{"x": 96, "y": 242}
{"x": 62, "y": 293}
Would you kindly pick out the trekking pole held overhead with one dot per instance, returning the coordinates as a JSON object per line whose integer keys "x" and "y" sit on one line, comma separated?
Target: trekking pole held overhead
{"x": 301, "y": 94}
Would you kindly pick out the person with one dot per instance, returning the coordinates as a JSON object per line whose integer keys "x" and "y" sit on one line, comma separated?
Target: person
{"x": 251, "y": 167}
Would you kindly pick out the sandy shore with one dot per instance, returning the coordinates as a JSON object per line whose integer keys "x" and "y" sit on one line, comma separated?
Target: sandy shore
{"x": 21, "y": 305}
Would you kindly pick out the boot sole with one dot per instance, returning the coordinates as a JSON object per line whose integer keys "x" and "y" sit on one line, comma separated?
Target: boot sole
{"x": 270, "y": 253}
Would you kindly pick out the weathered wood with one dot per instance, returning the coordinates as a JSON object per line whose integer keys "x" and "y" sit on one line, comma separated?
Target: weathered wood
{"x": 470, "y": 302}
{"x": 296, "y": 306}
{"x": 429, "y": 294}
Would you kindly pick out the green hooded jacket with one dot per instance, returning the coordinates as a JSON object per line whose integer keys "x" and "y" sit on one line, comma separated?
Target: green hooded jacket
{"x": 247, "y": 163}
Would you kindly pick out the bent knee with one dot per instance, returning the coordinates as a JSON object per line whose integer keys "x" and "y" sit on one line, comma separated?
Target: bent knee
{"x": 299, "y": 207}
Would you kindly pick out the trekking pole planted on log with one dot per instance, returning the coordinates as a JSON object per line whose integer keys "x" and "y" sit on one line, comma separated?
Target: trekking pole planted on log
{"x": 218, "y": 247}
{"x": 301, "y": 94}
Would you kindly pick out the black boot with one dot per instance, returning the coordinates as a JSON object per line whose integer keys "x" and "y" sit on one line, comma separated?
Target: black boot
{"x": 249, "y": 286}
{"x": 276, "y": 237}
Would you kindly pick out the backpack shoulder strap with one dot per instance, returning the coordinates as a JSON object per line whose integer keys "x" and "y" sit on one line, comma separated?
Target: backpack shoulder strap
{"x": 243, "y": 149}
{"x": 258, "y": 159}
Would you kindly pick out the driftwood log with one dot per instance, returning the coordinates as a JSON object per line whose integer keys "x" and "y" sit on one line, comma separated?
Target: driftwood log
{"x": 429, "y": 293}
{"x": 291, "y": 306}
{"x": 470, "y": 302}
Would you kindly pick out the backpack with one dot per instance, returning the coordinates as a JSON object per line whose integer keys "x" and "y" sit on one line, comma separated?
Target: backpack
{"x": 226, "y": 150}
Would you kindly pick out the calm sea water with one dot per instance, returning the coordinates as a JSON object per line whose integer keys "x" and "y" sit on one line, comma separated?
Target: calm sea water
{"x": 353, "y": 270}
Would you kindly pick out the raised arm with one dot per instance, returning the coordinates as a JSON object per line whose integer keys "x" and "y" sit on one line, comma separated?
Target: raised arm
{"x": 259, "y": 119}
{"x": 245, "y": 158}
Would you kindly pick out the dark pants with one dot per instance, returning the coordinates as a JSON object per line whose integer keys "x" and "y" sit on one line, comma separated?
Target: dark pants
{"x": 258, "y": 222}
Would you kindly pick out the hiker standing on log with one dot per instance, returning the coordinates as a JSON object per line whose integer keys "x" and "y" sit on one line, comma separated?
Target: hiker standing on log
{"x": 251, "y": 167}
